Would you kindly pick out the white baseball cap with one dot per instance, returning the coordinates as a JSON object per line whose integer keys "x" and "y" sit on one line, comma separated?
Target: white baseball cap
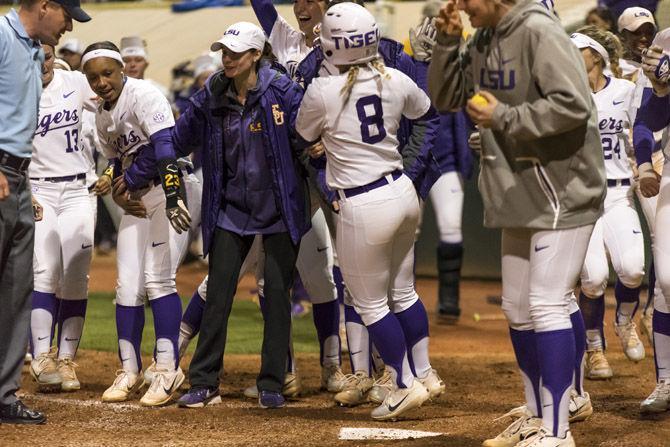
{"x": 241, "y": 36}
{"x": 633, "y": 18}
{"x": 205, "y": 63}
{"x": 73, "y": 46}
{"x": 134, "y": 46}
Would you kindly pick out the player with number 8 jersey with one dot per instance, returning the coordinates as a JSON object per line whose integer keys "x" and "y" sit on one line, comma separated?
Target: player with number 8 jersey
{"x": 356, "y": 114}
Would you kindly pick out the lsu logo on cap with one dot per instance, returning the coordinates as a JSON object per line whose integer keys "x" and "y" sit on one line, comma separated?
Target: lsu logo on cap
{"x": 642, "y": 14}
{"x": 277, "y": 114}
{"x": 234, "y": 32}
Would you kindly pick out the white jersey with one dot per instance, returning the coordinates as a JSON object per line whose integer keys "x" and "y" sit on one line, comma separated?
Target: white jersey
{"x": 290, "y": 47}
{"x": 360, "y": 136}
{"x": 58, "y": 148}
{"x": 615, "y": 104}
{"x": 140, "y": 112}
{"x": 89, "y": 137}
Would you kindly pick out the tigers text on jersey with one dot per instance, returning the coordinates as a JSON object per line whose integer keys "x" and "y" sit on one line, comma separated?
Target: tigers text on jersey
{"x": 58, "y": 148}
{"x": 360, "y": 135}
{"x": 140, "y": 111}
{"x": 290, "y": 47}
{"x": 615, "y": 104}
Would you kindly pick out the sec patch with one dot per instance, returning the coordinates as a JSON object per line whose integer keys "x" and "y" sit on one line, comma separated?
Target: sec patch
{"x": 159, "y": 117}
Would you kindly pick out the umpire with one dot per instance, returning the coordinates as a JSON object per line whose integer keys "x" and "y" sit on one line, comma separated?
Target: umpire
{"x": 21, "y": 58}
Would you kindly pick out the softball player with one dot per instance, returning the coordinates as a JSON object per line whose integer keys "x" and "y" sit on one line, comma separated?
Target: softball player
{"x": 357, "y": 118}
{"x": 64, "y": 235}
{"x": 654, "y": 115}
{"x": 315, "y": 259}
{"x": 617, "y": 234}
{"x": 538, "y": 125}
{"x": 134, "y": 116}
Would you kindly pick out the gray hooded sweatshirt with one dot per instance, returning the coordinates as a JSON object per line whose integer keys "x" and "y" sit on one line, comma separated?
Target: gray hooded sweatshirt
{"x": 542, "y": 162}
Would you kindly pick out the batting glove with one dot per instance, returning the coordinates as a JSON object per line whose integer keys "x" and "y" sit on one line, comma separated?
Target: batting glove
{"x": 178, "y": 214}
{"x": 656, "y": 66}
{"x": 422, "y": 38}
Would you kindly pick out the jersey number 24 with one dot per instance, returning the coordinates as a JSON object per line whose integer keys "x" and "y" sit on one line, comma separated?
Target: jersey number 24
{"x": 376, "y": 119}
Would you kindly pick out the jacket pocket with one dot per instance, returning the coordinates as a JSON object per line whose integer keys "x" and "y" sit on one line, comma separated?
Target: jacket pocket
{"x": 549, "y": 191}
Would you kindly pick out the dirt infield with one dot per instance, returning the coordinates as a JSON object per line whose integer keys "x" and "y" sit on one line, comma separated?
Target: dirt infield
{"x": 474, "y": 358}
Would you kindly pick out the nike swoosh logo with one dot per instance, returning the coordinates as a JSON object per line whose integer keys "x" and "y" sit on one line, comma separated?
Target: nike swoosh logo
{"x": 125, "y": 360}
{"x": 357, "y": 352}
{"x": 636, "y": 232}
{"x": 122, "y": 115}
{"x": 332, "y": 356}
{"x": 168, "y": 390}
{"x": 540, "y": 248}
{"x": 84, "y": 247}
{"x": 71, "y": 339}
{"x": 616, "y": 103}
{"x": 153, "y": 244}
{"x": 66, "y": 95}
{"x": 321, "y": 249}
{"x": 393, "y": 408}
{"x": 43, "y": 338}
{"x": 505, "y": 61}
{"x": 160, "y": 352}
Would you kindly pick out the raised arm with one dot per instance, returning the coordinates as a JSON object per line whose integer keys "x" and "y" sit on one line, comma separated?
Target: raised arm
{"x": 266, "y": 13}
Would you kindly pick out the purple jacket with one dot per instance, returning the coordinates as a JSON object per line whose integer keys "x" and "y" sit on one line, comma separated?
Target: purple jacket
{"x": 201, "y": 125}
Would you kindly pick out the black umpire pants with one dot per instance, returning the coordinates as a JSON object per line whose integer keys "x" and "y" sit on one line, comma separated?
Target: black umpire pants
{"x": 17, "y": 236}
{"x": 226, "y": 256}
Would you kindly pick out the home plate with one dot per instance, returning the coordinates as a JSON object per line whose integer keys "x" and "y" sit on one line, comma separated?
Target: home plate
{"x": 357, "y": 434}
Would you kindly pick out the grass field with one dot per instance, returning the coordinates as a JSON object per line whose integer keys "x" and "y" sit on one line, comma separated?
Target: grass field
{"x": 245, "y": 329}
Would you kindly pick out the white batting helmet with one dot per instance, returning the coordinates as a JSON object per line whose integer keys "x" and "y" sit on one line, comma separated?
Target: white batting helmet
{"x": 349, "y": 34}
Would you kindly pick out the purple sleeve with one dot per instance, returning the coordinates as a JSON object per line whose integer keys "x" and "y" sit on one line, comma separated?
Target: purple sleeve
{"x": 187, "y": 133}
{"x": 162, "y": 144}
{"x": 266, "y": 13}
{"x": 653, "y": 115}
{"x": 142, "y": 171}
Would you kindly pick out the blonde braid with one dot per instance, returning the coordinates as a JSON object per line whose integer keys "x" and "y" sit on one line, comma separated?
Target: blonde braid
{"x": 610, "y": 42}
{"x": 352, "y": 74}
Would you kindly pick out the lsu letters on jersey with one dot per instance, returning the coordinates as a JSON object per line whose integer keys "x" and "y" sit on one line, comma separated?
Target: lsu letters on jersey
{"x": 58, "y": 148}
{"x": 140, "y": 111}
{"x": 616, "y": 109}
{"x": 360, "y": 134}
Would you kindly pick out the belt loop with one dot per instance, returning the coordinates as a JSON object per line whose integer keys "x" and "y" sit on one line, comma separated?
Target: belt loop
{"x": 341, "y": 194}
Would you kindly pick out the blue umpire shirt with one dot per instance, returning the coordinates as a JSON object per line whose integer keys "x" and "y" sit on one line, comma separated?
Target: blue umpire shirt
{"x": 21, "y": 61}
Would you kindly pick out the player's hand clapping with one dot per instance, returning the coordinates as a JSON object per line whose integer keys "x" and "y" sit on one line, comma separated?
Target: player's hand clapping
{"x": 122, "y": 198}
{"x": 316, "y": 150}
{"x": 449, "y": 20}
{"x": 482, "y": 114}
{"x": 103, "y": 186}
{"x": 4, "y": 187}
{"x": 38, "y": 211}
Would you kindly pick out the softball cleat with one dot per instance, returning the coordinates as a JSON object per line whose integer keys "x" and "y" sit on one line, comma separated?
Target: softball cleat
{"x": 149, "y": 373}
{"x": 66, "y": 369}
{"x": 434, "y": 384}
{"x": 544, "y": 439}
{"x": 292, "y": 387}
{"x": 125, "y": 384}
{"x": 580, "y": 407}
{"x": 659, "y": 400}
{"x": 630, "y": 341}
{"x": 400, "y": 401}
{"x": 200, "y": 397}
{"x": 355, "y": 389}
{"x": 524, "y": 425}
{"x": 381, "y": 388}
{"x": 163, "y": 386}
{"x": 44, "y": 370}
{"x": 332, "y": 378}
{"x": 597, "y": 367}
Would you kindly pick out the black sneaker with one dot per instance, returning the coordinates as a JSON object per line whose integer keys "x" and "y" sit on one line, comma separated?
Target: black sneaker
{"x": 18, "y": 413}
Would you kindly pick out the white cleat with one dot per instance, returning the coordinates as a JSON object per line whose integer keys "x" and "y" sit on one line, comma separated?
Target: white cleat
{"x": 44, "y": 370}
{"x": 543, "y": 439}
{"x": 434, "y": 384}
{"x": 597, "y": 367}
{"x": 292, "y": 387}
{"x": 332, "y": 378}
{"x": 125, "y": 384}
{"x": 149, "y": 373}
{"x": 28, "y": 358}
{"x": 659, "y": 400}
{"x": 580, "y": 407}
{"x": 400, "y": 401}
{"x": 630, "y": 341}
{"x": 381, "y": 388}
{"x": 165, "y": 383}
{"x": 66, "y": 369}
{"x": 523, "y": 426}
{"x": 355, "y": 389}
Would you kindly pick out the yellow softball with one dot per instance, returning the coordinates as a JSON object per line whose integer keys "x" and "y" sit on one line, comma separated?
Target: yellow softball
{"x": 479, "y": 100}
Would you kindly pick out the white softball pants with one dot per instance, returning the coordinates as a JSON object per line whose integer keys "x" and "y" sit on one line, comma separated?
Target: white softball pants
{"x": 63, "y": 239}
{"x": 375, "y": 247}
{"x": 619, "y": 234}
{"x": 148, "y": 253}
{"x": 447, "y": 197}
{"x": 539, "y": 272}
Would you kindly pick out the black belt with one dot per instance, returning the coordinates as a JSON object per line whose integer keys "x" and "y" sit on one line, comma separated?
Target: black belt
{"x": 18, "y": 163}
{"x": 351, "y": 192}
{"x": 618, "y": 182}
{"x": 65, "y": 178}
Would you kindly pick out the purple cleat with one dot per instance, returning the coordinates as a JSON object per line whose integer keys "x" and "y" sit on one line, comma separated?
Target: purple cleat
{"x": 271, "y": 399}
{"x": 199, "y": 397}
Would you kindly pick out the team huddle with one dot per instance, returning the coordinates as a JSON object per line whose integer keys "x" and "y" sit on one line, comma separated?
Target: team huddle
{"x": 317, "y": 147}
